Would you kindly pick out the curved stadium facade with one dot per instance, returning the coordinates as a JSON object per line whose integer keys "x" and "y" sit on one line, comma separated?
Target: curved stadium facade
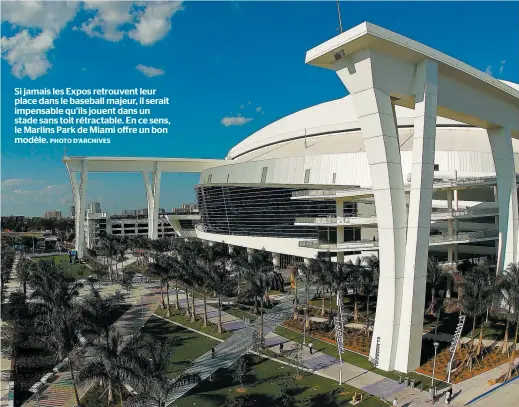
{"x": 257, "y": 200}
{"x": 420, "y": 159}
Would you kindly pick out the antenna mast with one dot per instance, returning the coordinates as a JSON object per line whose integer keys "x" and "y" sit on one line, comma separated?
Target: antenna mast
{"x": 339, "y": 12}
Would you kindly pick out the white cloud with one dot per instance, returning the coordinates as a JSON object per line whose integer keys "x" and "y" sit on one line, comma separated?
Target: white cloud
{"x": 145, "y": 23}
{"x": 15, "y": 181}
{"x": 149, "y": 71}
{"x": 108, "y": 20}
{"x": 154, "y": 22}
{"x": 26, "y": 51}
{"x": 258, "y": 109}
{"x": 502, "y": 66}
{"x": 489, "y": 70}
{"x": 38, "y": 24}
{"x": 235, "y": 121}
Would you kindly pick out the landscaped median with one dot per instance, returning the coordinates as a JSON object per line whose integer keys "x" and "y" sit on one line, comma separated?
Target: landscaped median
{"x": 264, "y": 378}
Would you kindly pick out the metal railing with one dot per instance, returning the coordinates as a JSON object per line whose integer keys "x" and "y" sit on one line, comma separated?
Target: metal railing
{"x": 313, "y": 244}
{"x": 362, "y": 191}
{"x": 435, "y": 239}
{"x": 487, "y": 234}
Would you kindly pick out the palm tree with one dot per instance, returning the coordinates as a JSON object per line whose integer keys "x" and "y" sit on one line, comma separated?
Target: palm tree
{"x": 108, "y": 247}
{"x": 214, "y": 259}
{"x": 97, "y": 311}
{"x": 435, "y": 277}
{"x": 370, "y": 282}
{"x": 154, "y": 383}
{"x": 255, "y": 263}
{"x": 508, "y": 285}
{"x": 258, "y": 286}
{"x": 238, "y": 265}
{"x": 357, "y": 275}
{"x": 339, "y": 278}
{"x": 160, "y": 269}
{"x": 478, "y": 292}
{"x": 24, "y": 269}
{"x": 308, "y": 271}
{"x": 113, "y": 362}
{"x": 57, "y": 296}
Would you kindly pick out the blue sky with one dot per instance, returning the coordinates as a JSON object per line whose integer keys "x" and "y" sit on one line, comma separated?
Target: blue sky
{"x": 216, "y": 60}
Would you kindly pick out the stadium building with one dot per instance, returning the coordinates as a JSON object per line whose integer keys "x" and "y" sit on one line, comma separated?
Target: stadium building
{"x": 420, "y": 159}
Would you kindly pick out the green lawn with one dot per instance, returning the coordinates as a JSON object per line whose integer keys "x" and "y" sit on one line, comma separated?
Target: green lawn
{"x": 78, "y": 271}
{"x": 240, "y": 312}
{"x": 262, "y": 384}
{"x": 189, "y": 345}
{"x": 179, "y": 317}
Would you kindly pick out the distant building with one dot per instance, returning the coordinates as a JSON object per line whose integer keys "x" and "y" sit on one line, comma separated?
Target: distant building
{"x": 52, "y": 214}
{"x": 73, "y": 211}
{"x": 94, "y": 207}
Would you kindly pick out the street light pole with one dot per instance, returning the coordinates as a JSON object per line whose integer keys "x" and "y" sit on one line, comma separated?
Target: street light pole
{"x": 436, "y": 344}
{"x": 142, "y": 312}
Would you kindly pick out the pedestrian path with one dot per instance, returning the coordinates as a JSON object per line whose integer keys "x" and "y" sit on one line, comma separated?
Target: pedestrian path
{"x": 227, "y": 352}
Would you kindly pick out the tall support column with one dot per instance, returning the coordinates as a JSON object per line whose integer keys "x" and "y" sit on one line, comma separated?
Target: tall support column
{"x": 79, "y": 191}
{"x": 339, "y": 205}
{"x": 419, "y": 219}
{"x": 371, "y": 97}
{"x": 450, "y": 225}
{"x": 503, "y": 155}
{"x": 456, "y": 208}
{"x": 153, "y": 198}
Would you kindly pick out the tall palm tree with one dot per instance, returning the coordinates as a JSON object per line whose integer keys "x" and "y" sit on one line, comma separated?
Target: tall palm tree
{"x": 258, "y": 286}
{"x": 478, "y": 293}
{"x": 508, "y": 285}
{"x": 327, "y": 271}
{"x": 57, "y": 295}
{"x": 436, "y": 275}
{"x": 370, "y": 282}
{"x": 160, "y": 269}
{"x": 24, "y": 269}
{"x": 357, "y": 274}
{"x": 108, "y": 247}
{"x": 339, "y": 278}
{"x": 255, "y": 263}
{"x": 238, "y": 265}
{"x": 154, "y": 383}
{"x": 97, "y": 311}
{"x": 308, "y": 271}
{"x": 214, "y": 260}
{"x": 113, "y": 362}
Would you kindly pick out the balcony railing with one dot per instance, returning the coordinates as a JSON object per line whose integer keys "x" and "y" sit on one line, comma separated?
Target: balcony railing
{"x": 434, "y": 240}
{"x": 362, "y": 191}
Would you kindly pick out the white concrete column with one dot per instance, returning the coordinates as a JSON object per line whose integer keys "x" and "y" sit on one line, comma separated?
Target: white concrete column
{"x": 450, "y": 225}
{"x": 79, "y": 191}
{"x": 503, "y": 155}
{"x": 371, "y": 97}
{"x": 276, "y": 260}
{"x": 339, "y": 209}
{"x": 153, "y": 199}
{"x": 456, "y": 208}
{"x": 419, "y": 218}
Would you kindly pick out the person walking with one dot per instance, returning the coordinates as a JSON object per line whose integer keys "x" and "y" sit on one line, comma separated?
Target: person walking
{"x": 212, "y": 352}
{"x": 448, "y": 396}
{"x": 395, "y": 402}
{"x": 311, "y": 347}
{"x": 281, "y": 348}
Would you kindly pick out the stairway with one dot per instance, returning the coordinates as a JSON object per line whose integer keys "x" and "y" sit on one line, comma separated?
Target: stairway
{"x": 227, "y": 352}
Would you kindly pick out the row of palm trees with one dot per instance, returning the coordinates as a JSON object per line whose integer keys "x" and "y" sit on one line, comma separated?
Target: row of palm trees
{"x": 359, "y": 278}
{"x": 55, "y": 316}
